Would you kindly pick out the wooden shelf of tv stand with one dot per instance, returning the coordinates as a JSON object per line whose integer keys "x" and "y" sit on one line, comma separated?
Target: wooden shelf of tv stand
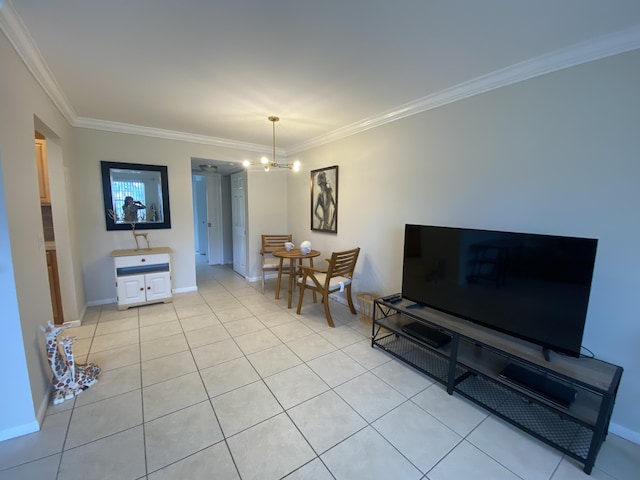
{"x": 474, "y": 359}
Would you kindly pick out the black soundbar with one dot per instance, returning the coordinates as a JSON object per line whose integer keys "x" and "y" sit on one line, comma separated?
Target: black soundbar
{"x": 552, "y": 390}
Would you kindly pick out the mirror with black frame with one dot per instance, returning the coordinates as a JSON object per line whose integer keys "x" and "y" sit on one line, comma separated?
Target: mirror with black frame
{"x": 135, "y": 195}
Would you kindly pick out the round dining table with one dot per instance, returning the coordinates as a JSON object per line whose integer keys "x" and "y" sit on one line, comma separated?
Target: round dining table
{"x": 293, "y": 255}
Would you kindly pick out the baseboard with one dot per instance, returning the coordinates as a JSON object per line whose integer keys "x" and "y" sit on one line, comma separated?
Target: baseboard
{"x": 97, "y": 303}
{"x": 625, "y": 433}
{"x": 44, "y": 404}
{"x": 20, "y": 430}
{"x": 185, "y": 289}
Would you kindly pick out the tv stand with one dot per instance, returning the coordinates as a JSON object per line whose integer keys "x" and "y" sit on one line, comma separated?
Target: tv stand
{"x": 566, "y": 403}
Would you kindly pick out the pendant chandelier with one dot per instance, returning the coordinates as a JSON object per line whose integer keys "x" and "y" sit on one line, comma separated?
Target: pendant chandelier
{"x": 273, "y": 163}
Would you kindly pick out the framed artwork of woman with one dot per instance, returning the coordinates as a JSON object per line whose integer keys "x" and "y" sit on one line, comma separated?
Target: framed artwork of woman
{"x": 324, "y": 199}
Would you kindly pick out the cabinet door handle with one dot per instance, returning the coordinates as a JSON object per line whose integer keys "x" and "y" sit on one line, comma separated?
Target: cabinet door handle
{"x": 148, "y": 288}
{"x": 143, "y": 259}
{"x": 141, "y": 289}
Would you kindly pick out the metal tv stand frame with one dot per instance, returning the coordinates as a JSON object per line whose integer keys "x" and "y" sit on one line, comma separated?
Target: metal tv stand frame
{"x": 471, "y": 363}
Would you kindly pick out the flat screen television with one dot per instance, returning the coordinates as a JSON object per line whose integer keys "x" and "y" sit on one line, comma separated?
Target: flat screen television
{"x": 534, "y": 287}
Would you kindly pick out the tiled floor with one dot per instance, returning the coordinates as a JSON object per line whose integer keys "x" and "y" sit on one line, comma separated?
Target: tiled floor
{"x": 227, "y": 383}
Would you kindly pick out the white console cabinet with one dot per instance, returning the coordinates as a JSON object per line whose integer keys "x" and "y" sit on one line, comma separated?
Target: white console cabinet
{"x": 142, "y": 276}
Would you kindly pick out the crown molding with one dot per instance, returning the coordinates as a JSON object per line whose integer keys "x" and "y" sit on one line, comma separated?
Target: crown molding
{"x": 595, "y": 49}
{"x": 601, "y": 47}
{"x": 20, "y": 38}
{"x": 117, "y": 127}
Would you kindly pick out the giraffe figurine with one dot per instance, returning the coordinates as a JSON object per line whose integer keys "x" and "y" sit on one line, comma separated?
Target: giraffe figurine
{"x": 69, "y": 379}
{"x": 84, "y": 375}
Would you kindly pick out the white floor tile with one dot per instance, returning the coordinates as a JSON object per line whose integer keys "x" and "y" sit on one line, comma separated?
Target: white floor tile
{"x": 116, "y": 358}
{"x": 273, "y": 360}
{"x": 167, "y": 397}
{"x": 115, "y": 340}
{"x": 370, "y": 396}
{"x": 212, "y": 462}
{"x": 270, "y": 450}
{"x": 199, "y": 321}
{"x": 44, "y": 468}
{"x": 167, "y": 367}
{"x": 310, "y": 347}
{"x": 326, "y": 420}
{"x": 216, "y": 353}
{"x": 206, "y": 335}
{"x": 257, "y": 341}
{"x": 180, "y": 434}
{"x": 366, "y": 356}
{"x": 116, "y": 456}
{"x": 452, "y": 410}
{"x": 336, "y": 368}
{"x": 368, "y": 455}
{"x": 160, "y": 330}
{"x": 163, "y": 346}
{"x": 112, "y": 383}
{"x": 467, "y": 461}
{"x": 315, "y": 470}
{"x": 244, "y": 407}
{"x": 419, "y": 436}
{"x": 106, "y": 417}
{"x": 228, "y": 376}
{"x": 295, "y": 385}
{"x": 403, "y": 378}
{"x": 522, "y": 454}
{"x": 48, "y": 441}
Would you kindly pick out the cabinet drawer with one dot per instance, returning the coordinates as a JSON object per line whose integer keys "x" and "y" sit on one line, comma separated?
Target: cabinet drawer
{"x": 139, "y": 260}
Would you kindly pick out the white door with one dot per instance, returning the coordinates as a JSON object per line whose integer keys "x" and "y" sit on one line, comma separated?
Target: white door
{"x": 214, "y": 214}
{"x": 200, "y": 214}
{"x": 239, "y": 221}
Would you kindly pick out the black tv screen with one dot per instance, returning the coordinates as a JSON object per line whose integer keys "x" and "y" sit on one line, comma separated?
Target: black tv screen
{"x": 535, "y": 287}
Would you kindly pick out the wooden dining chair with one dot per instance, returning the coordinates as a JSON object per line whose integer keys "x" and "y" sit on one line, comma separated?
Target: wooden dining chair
{"x": 271, "y": 243}
{"x": 337, "y": 277}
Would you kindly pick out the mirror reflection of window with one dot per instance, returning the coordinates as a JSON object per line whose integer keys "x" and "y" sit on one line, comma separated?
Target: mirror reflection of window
{"x": 145, "y": 188}
{"x": 136, "y": 195}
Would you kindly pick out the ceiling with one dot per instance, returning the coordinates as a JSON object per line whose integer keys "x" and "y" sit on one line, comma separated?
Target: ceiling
{"x": 214, "y": 70}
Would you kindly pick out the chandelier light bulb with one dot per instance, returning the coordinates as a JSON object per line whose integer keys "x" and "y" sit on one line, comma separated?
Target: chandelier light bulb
{"x": 265, "y": 161}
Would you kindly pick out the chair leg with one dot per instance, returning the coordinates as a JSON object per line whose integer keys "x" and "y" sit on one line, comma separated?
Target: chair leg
{"x": 327, "y": 313}
{"x": 301, "y": 296}
{"x": 278, "y": 281}
{"x": 349, "y": 300}
{"x": 263, "y": 281}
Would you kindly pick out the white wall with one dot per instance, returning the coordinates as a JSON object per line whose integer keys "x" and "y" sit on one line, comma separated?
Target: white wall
{"x": 267, "y": 206}
{"x": 92, "y": 146}
{"x": 556, "y": 155}
{"x": 26, "y": 299}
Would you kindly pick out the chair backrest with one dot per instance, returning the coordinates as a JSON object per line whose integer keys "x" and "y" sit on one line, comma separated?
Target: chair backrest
{"x": 271, "y": 243}
{"x": 342, "y": 264}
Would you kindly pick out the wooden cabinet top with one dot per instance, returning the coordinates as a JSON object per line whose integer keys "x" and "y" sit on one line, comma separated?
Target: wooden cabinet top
{"x": 149, "y": 251}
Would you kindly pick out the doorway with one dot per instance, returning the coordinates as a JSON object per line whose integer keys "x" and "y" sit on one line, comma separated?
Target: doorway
{"x": 212, "y": 218}
{"x": 47, "y": 227}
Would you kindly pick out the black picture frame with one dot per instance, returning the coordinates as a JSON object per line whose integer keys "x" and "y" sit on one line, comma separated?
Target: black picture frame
{"x": 155, "y": 179}
{"x": 324, "y": 199}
